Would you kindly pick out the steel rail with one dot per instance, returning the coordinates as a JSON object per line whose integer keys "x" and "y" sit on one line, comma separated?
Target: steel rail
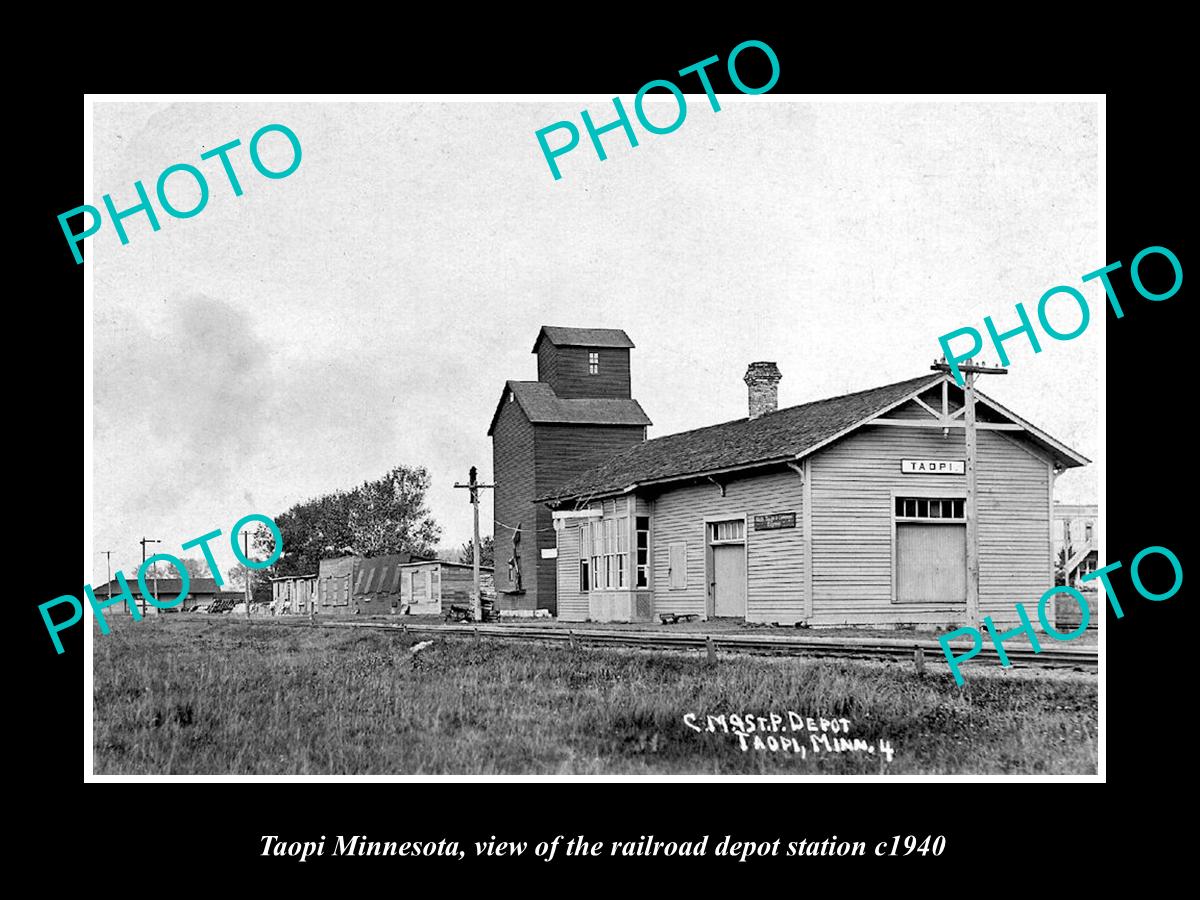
{"x": 871, "y": 648}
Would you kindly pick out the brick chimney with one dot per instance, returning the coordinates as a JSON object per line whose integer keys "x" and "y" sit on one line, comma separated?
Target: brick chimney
{"x": 762, "y": 378}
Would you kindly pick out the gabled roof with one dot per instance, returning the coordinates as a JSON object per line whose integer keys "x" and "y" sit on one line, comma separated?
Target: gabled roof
{"x": 582, "y": 337}
{"x": 542, "y": 406}
{"x": 782, "y": 436}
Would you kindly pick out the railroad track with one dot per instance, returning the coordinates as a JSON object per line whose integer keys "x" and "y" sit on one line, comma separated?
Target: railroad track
{"x": 775, "y": 645}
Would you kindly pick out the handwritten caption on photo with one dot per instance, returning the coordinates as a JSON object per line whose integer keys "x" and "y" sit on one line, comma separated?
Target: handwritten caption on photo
{"x": 776, "y": 733}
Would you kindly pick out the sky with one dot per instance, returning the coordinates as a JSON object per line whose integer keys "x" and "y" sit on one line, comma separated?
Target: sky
{"x": 366, "y": 310}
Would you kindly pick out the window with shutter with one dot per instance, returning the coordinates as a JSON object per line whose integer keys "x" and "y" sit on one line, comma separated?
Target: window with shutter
{"x": 677, "y": 565}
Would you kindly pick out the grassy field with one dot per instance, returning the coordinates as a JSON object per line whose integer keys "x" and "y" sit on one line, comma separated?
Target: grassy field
{"x": 178, "y": 695}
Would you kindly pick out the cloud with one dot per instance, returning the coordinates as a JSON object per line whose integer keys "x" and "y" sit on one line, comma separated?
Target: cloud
{"x": 177, "y": 406}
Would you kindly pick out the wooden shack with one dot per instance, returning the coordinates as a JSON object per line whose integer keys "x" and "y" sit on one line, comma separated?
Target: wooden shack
{"x": 293, "y": 595}
{"x": 421, "y": 588}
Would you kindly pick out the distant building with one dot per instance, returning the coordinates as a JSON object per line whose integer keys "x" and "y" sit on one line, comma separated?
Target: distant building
{"x": 293, "y": 594}
{"x": 1077, "y": 542}
{"x": 202, "y": 592}
{"x": 420, "y": 587}
{"x": 342, "y": 580}
{"x": 1077, "y": 553}
{"x": 577, "y": 414}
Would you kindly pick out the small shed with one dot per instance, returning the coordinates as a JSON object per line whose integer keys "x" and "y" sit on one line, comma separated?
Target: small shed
{"x": 293, "y": 594}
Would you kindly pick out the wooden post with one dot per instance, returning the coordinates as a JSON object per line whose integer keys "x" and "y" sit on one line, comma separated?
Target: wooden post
{"x": 474, "y": 487}
{"x": 711, "y": 648}
{"x": 919, "y": 660}
{"x": 246, "y": 551}
{"x": 971, "y": 508}
{"x": 969, "y": 370}
{"x": 571, "y": 639}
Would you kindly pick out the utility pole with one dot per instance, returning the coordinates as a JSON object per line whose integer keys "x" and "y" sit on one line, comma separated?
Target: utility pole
{"x": 475, "y": 487}
{"x": 108, "y": 556}
{"x": 970, "y": 370}
{"x": 246, "y": 553}
{"x": 144, "y": 541}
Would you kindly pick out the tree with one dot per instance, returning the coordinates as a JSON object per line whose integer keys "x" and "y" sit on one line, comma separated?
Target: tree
{"x": 377, "y": 518}
{"x": 196, "y": 568}
{"x": 235, "y": 578}
{"x": 487, "y": 552}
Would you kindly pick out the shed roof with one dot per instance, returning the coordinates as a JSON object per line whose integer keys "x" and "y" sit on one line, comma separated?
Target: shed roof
{"x": 582, "y": 337}
{"x": 781, "y": 436}
{"x": 542, "y": 406}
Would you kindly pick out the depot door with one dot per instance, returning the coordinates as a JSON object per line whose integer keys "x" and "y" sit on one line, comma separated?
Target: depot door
{"x": 728, "y": 582}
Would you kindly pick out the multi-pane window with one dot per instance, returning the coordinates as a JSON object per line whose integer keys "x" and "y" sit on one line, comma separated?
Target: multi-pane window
{"x": 597, "y": 555}
{"x": 930, "y": 508}
{"x": 610, "y": 553}
{"x": 733, "y": 530}
{"x": 593, "y": 363}
{"x": 622, "y": 552}
{"x": 643, "y": 552}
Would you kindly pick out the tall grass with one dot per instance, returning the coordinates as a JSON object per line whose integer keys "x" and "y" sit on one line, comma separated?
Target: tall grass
{"x": 227, "y": 697}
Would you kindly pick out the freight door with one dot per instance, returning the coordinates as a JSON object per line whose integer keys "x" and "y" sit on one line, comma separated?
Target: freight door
{"x": 931, "y": 563}
{"x": 729, "y": 577}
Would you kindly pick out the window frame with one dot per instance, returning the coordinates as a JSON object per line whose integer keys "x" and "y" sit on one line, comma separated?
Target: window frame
{"x": 593, "y": 362}
{"x": 585, "y": 557}
{"x": 641, "y": 567}
{"x": 928, "y": 518}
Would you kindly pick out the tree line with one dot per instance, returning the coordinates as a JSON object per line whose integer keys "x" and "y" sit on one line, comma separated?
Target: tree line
{"x": 385, "y": 516}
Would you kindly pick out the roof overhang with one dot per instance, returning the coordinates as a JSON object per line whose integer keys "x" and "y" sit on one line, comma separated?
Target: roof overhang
{"x": 1062, "y": 455}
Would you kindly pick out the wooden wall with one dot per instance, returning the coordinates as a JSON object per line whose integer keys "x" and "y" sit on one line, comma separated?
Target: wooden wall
{"x": 514, "y": 471}
{"x": 566, "y": 370}
{"x": 563, "y": 452}
{"x": 1015, "y": 561}
{"x": 852, "y": 509}
{"x": 334, "y": 592}
{"x": 457, "y": 584}
{"x": 774, "y": 560}
{"x": 572, "y": 603}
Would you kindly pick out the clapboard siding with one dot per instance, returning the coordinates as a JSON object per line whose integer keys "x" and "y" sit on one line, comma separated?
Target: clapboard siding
{"x": 547, "y": 363}
{"x": 774, "y": 559}
{"x": 572, "y": 602}
{"x": 1015, "y": 562}
{"x": 852, "y": 516}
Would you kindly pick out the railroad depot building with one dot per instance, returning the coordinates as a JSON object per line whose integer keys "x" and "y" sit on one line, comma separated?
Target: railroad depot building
{"x": 849, "y": 510}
